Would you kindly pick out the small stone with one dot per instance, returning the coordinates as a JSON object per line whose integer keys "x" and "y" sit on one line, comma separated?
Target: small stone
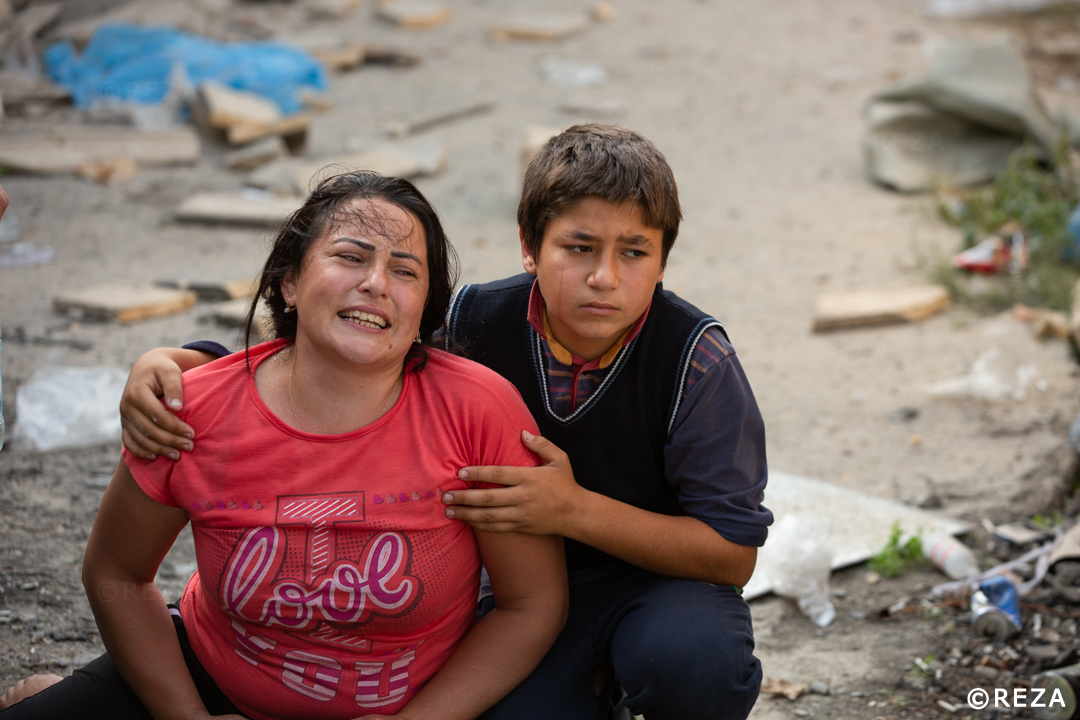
{"x": 819, "y": 687}
{"x": 1042, "y": 653}
{"x": 32, "y": 585}
{"x": 985, "y": 671}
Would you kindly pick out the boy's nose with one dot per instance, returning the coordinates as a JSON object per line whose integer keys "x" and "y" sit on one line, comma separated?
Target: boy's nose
{"x": 605, "y": 273}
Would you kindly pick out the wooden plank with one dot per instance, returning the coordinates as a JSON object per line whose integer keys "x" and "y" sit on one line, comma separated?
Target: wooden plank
{"x": 124, "y": 303}
{"x": 62, "y": 149}
{"x": 237, "y": 208}
{"x": 221, "y": 107}
{"x": 539, "y": 26}
{"x": 878, "y": 306}
{"x": 211, "y": 289}
{"x": 292, "y": 127}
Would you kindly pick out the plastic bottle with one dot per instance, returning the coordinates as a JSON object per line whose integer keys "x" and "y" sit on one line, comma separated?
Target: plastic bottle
{"x": 950, "y": 556}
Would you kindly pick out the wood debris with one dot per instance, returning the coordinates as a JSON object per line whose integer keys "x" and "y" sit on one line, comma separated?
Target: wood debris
{"x": 413, "y": 14}
{"x": 234, "y": 313}
{"x": 108, "y": 172}
{"x": 124, "y": 303}
{"x": 237, "y": 208}
{"x": 878, "y": 306}
{"x": 63, "y": 148}
{"x": 1047, "y": 323}
{"x": 292, "y": 129}
{"x": 219, "y": 107}
{"x": 785, "y": 688}
{"x": 403, "y": 129}
{"x": 539, "y": 26}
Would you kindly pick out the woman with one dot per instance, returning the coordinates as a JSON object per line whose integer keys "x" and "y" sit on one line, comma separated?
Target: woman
{"x": 330, "y": 584}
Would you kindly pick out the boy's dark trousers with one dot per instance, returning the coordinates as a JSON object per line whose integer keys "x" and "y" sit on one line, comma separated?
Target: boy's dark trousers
{"x": 679, "y": 649}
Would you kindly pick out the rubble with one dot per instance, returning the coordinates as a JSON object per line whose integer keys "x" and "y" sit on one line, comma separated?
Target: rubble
{"x": 123, "y": 303}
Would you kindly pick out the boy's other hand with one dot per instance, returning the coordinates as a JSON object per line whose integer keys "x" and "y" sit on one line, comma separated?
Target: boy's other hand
{"x": 149, "y": 429}
{"x": 536, "y": 500}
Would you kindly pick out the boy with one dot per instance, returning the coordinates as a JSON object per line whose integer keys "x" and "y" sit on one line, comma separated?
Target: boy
{"x": 652, "y": 441}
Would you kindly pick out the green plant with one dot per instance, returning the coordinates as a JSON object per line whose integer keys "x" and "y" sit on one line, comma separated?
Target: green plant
{"x": 898, "y": 557}
{"x": 1038, "y": 194}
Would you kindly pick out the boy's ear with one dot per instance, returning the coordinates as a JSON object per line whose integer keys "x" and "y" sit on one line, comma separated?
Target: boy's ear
{"x": 527, "y": 260}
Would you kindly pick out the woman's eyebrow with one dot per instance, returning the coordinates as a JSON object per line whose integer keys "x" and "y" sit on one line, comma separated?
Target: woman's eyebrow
{"x": 371, "y": 248}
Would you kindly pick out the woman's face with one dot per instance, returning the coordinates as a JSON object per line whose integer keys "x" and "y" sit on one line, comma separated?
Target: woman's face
{"x": 360, "y": 291}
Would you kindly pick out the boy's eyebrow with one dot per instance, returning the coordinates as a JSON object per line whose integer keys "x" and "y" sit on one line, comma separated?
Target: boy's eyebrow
{"x": 628, "y": 239}
{"x": 371, "y": 248}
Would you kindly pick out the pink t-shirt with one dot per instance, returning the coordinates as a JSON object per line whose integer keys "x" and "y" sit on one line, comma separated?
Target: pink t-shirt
{"x": 330, "y": 583}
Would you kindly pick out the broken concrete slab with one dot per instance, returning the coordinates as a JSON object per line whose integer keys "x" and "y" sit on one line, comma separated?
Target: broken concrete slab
{"x": 233, "y": 313}
{"x": 261, "y": 209}
{"x": 331, "y": 9}
{"x": 413, "y": 14}
{"x": 878, "y": 306}
{"x": 18, "y": 88}
{"x": 213, "y": 290}
{"x": 539, "y": 26}
{"x": 123, "y": 303}
{"x": 257, "y": 154}
{"x": 61, "y": 149}
{"x": 409, "y": 158}
{"x": 860, "y": 524}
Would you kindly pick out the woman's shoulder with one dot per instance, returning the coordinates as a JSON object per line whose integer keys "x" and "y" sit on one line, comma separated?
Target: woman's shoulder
{"x": 216, "y": 375}
{"x": 464, "y": 375}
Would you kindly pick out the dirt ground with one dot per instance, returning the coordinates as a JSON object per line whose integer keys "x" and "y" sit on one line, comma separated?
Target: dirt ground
{"x": 758, "y": 108}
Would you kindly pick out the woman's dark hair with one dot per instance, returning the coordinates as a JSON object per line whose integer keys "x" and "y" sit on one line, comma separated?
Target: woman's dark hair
{"x": 332, "y": 204}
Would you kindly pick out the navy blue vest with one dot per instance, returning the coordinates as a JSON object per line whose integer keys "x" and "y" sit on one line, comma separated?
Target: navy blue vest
{"x": 615, "y": 440}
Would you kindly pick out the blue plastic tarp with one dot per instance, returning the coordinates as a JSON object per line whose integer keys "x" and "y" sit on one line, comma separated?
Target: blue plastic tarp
{"x": 135, "y": 64}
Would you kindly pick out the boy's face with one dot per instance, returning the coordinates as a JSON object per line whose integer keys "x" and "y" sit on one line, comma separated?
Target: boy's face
{"x": 598, "y": 266}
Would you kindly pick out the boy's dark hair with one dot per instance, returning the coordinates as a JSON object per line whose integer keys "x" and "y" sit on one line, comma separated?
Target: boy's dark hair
{"x": 610, "y": 162}
{"x": 331, "y": 205}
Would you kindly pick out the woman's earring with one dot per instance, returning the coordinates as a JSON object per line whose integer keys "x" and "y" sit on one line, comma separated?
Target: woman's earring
{"x": 417, "y": 340}
{"x": 289, "y": 309}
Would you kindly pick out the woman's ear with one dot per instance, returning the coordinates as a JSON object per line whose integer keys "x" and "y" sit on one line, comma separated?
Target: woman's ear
{"x": 288, "y": 288}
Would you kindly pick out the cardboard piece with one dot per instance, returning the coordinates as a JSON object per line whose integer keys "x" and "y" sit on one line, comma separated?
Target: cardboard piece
{"x": 213, "y": 290}
{"x": 878, "y": 306}
{"x": 860, "y": 524}
{"x": 237, "y": 208}
{"x": 413, "y": 14}
{"x": 539, "y": 26}
{"x": 63, "y": 148}
{"x": 124, "y": 303}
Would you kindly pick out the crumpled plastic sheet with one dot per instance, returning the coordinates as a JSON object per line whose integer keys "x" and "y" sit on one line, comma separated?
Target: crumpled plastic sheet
{"x": 801, "y": 544}
{"x": 63, "y": 407}
{"x": 136, "y": 64}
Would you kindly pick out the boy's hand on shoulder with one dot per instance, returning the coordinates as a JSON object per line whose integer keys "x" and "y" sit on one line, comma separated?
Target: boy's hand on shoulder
{"x": 149, "y": 428}
{"x": 536, "y": 500}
